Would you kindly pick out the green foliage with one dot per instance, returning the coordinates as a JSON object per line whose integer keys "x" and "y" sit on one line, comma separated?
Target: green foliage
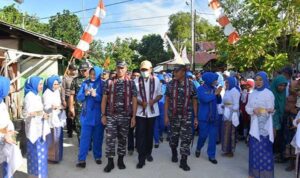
{"x": 180, "y": 29}
{"x": 66, "y": 27}
{"x": 10, "y": 14}
{"x": 151, "y": 48}
{"x": 268, "y": 30}
{"x": 96, "y": 54}
{"x": 122, "y": 50}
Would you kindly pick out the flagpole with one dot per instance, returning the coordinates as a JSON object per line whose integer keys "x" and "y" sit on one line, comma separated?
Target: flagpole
{"x": 69, "y": 63}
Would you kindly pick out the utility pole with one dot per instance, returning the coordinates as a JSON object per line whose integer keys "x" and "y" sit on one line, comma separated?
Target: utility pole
{"x": 193, "y": 35}
{"x": 83, "y": 13}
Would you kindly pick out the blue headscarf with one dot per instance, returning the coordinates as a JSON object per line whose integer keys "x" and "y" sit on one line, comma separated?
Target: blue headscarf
{"x": 264, "y": 76}
{"x": 233, "y": 83}
{"x": 32, "y": 85}
{"x": 161, "y": 77}
{"x": 98, "y": 72}
{"x": 48, "y": 84}
{"x": 209, "y": 78}
{"x": 4, "y": 87}
{"x": 189, "y": 74}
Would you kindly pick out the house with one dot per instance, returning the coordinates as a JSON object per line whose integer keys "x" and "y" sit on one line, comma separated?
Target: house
{"x": 24, "y": 53}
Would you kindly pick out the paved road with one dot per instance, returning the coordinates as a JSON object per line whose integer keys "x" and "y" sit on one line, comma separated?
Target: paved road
{"x": 162, "y": 167}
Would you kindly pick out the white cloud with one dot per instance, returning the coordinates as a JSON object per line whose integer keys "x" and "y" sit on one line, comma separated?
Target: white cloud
{"x": 146, "y": 9}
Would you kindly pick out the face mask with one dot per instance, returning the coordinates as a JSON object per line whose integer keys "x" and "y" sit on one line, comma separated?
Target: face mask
{"x": 145, "y": 74}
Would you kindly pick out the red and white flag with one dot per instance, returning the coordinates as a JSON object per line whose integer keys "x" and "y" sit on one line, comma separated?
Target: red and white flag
{"x": 223, "y": 20}
{"x": 90, "y": 31}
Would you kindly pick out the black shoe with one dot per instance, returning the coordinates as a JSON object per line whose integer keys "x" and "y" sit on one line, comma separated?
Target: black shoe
{"x": 174, "y": 155}
{"x": 214, "y": 161}
{"x": 81, "y": 165}
{"x": 161, "y": 139}
{"x": 98, "y": 161}
{"x": 149, "y": 158}
{"x": 183, "y": 163}
{"x": 198, "y": 153}
{"x": 110, "y": 165}
{"x": 140, "y": 165}
{"x": 156, "y": 145}
{"x": 121, "y": 164}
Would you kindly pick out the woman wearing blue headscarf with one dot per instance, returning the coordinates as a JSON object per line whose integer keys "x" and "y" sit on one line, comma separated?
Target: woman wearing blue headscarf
{"x": 260, "y": 107}
{"x": 36, "y": 129}
{"x": 10, "y": 155}
{"x": 57, "y": 118}
{"x": 231, "y": 103}
{"x": 208, "y": 98}
{"x": 90, "y": 95}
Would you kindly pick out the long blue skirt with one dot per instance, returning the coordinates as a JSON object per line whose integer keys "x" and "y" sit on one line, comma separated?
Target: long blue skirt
{"x": 55, "y": 143}
{"x": 37, "y": 159}
{"x": 4, "y": 173}
{"x": 261, "y": 161}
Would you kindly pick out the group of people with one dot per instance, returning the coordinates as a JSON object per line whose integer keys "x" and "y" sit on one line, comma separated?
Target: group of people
{"x": 133, "y": 109}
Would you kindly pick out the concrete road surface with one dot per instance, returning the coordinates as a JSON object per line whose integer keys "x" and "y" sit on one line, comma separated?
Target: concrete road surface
{"x": 161, "y": 167}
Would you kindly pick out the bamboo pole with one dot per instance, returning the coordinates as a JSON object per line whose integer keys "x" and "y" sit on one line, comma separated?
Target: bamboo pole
{"x": 69, "y": 63}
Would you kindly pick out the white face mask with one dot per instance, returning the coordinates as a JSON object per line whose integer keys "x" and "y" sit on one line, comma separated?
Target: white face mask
{"x": 145, "y": 74}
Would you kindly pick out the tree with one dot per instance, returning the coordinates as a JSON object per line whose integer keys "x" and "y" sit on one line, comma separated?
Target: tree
{"x": 66, "y": 27}
{"x": 11, "y": 15}
{"x": 268, "y": 30}
{"x": 122, "y": 50}
{"x": 180, "y": 29}
{"x": 96, "y": 54}
{"x": 151, "y": 48}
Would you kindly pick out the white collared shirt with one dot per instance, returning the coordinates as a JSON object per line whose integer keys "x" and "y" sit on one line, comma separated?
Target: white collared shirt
{"x": 157, "y": 92}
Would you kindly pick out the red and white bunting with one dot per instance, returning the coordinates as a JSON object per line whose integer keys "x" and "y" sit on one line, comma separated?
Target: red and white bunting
{"x": 224, "y": 21}
{"x": 90, "y": 31}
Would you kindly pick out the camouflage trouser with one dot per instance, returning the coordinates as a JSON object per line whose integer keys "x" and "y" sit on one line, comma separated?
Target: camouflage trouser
{"x": 181, "y": 128}
{"x": 117, "y": 128}
{"x": 77, "y": 125}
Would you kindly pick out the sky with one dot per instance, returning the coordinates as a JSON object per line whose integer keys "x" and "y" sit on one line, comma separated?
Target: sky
{"x": 132, "y": 9}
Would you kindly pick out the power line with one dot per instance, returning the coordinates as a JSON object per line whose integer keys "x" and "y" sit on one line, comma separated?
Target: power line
{"x": 137, "y": 26}
{"x": 137, "y": 19}
{"x": 88, "y": 9}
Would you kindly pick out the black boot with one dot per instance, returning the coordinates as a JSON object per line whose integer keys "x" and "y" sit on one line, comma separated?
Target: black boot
{"x": 81, "y": 164}
{"x": 110, "y": 165}
{"x": 174, "y": 155}
{"x": 121, "y": 164}
{"x": 198, "y": 153}
{"x": 141, "y": 163}
{"x": 183, "y": 163}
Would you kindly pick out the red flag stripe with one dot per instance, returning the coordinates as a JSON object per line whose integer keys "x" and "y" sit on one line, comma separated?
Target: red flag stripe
{"x": 101, "y": 5}
{"x": 214, "y": 4}
{"x": 223, "y": 21}
{"x": 87, "y": 37}
{"x": 78, "y": 54}
{"x": 95, "y": 21}
{"x": 233, "y": 37}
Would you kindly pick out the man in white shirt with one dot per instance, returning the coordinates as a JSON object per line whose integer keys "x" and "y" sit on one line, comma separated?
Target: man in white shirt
{"x": 149, "y": 93}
